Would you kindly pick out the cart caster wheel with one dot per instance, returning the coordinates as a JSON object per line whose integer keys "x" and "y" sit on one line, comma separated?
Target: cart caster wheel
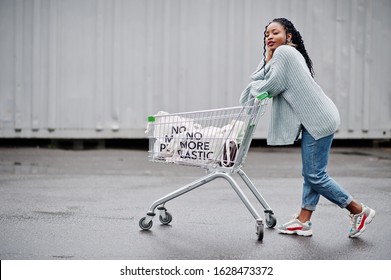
{"x": 271, "y": 221}
{"x": 144, "y": 226}
{"x": 167, "y": 220}
{"x": 260, "y": 231}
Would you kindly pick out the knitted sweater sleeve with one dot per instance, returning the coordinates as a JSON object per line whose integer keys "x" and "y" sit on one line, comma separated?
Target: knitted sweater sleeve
{"x": 275, "y": 81}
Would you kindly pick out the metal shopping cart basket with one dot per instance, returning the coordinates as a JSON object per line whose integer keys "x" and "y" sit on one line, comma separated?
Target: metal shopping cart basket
{"x": 217, "y": 140}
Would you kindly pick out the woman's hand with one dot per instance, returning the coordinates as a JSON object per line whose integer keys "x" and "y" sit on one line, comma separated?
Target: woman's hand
{"x": 269, "y": 55}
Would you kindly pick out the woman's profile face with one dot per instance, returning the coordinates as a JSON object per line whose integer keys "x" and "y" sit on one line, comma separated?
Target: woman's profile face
{"x": 275, "y": 36}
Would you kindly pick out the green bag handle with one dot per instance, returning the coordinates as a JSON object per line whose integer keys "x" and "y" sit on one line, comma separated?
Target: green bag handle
{"x": 263, "y": 95}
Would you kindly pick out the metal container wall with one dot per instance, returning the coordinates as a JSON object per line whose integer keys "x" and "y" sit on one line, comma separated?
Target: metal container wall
{"x": 98, "y": 68}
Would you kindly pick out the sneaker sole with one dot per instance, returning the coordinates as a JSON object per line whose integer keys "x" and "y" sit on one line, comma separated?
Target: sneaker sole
{"x": 367, "y": 221}
{"x": 298, "y": 232}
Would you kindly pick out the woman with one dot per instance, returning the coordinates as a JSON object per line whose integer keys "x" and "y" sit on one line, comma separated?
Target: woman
{"x": 300, "y": 106}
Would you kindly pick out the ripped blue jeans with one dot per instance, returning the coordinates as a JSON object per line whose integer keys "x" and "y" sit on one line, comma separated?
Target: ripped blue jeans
{"x": 315, "y": 155}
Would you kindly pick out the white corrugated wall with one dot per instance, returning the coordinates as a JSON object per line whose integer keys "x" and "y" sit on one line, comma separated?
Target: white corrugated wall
{"x": 97, "y": 68}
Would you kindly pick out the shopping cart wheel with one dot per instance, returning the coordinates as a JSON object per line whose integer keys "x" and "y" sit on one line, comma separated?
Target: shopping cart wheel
{"x": 166, "y": 220}
{"x": 271, "y": 221}
{"x": 144, "y": 226}
{"x": 260, "y": 230}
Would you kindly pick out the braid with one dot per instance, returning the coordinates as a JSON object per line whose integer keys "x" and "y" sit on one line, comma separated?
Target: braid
{"x": 264, "y": 49}
{"x": 297, "y": 41}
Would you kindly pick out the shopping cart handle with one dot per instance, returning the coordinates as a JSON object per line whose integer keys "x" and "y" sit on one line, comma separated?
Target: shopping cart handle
{"x": 263, "y": 95}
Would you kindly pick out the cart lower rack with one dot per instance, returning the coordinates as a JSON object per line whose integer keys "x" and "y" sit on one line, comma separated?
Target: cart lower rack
{"x": 217, "y": 140}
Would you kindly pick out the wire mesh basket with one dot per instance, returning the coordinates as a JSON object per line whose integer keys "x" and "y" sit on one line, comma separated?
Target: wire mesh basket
{"x": 208, "y": 139}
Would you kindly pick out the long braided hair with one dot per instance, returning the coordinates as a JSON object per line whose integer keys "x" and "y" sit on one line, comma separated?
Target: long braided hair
{"x": 296, "y": 41}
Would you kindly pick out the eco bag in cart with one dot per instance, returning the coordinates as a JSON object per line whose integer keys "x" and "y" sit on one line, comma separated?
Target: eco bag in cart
{"x": 217, "y": 140}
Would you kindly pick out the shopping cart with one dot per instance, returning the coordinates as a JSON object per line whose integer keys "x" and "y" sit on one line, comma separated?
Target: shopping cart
{"x": 217, "y": 140}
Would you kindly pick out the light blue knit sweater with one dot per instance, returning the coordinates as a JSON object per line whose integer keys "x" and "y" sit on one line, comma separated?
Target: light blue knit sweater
{"x": 297, "y": 98}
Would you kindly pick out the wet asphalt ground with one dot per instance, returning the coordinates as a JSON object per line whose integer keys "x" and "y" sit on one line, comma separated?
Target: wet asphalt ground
{"x": 65, "y": 204}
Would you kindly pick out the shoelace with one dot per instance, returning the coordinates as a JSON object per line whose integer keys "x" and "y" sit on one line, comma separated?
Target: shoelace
{"x": 353, "y": 221}
{"x": 295, "y": 216}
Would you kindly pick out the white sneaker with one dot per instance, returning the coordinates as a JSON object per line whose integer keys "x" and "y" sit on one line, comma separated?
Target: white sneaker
{"x": 359, "y": 221}
{"x": 296, "y": 227}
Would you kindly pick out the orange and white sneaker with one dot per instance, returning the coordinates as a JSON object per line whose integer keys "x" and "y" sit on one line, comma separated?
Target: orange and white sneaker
{"x": 359, "y": 221}
{"x": 296, "y": 227}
